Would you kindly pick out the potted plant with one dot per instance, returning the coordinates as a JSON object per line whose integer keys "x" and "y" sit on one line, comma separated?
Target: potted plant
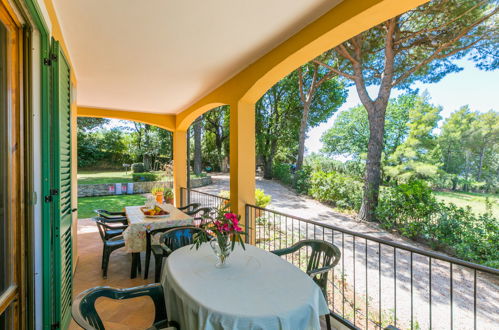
{"x": 168, "y": 194}
{"x": 157, "y": 191}
{"x": 221, "y": 229}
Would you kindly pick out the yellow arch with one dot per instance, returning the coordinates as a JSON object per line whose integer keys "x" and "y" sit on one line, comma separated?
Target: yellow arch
{"x": 185, "y": 119}
{"x": 163, "y": 121}
{"x": 341, "y": 23}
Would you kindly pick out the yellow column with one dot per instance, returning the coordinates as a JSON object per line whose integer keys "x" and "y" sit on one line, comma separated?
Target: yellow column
{"x": 74, "y": 182}
{"x": 242, "y": 160}
{"x": 179, "y": 163}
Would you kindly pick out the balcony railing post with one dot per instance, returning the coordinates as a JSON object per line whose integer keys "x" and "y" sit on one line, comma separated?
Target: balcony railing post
{"x": 182, "y": 196}
{"x": 246, "y": 223}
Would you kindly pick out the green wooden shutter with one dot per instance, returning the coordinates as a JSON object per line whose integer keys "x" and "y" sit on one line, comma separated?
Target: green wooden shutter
{"x": 61, "y": 155}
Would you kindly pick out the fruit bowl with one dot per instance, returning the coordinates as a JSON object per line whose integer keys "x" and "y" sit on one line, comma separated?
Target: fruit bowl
{"x": 156, "y": 212}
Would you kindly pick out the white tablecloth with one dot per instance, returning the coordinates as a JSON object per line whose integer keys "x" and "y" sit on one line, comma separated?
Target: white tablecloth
{"x": 258, "y": 290}
{"x": 135, "y": 234}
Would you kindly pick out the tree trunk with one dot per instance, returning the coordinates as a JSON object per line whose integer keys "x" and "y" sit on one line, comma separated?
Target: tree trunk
{"x": 197, "y": 147}
{"x": 466, "y": 171}
{"x": 146, "y": 159}
{"x": 267, "y": 168}
{"x": 480, "y": 164}
{"x": 220, "y": 158}
{"x": 372, "y": 178}
{"x": 303, "y": 135}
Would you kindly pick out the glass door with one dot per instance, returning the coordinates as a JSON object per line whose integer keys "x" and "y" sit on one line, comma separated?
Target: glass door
{"x": 11, "y": 187}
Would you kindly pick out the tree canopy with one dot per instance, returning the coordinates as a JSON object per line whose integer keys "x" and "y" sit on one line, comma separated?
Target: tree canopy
{"x": 419, "y": 45}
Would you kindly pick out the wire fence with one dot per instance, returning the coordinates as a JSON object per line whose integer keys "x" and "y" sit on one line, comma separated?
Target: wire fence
{"x": 188, "y": 196}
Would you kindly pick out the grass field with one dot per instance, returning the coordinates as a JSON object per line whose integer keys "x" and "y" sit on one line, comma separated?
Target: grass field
{"x": 95, "y": 177}
{"x": 115, "y": 203}
{"x": 474, "y": 200}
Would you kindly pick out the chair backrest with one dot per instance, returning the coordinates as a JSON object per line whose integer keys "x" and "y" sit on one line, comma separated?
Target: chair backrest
{"x": 85, "y": 308}
{"x": 200, "y": 215}
{"x": 192, "y": 212}
{"x": 178, "y": 237}
{"x": 190, "y": 207}
{"x": 109, "y": 215}
{"x": 324, "y": 256}
{"x": 104, "y": 227}
{"x": 85, "y": 314}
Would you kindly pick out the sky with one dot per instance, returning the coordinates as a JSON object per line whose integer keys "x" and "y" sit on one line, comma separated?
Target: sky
{"x": 471, "y": 86}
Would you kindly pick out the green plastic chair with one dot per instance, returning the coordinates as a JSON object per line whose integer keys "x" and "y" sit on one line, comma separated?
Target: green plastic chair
{"x": 322, "y": 259}
{"x": 190, "y": 207}
{"x": 85, "y": 314}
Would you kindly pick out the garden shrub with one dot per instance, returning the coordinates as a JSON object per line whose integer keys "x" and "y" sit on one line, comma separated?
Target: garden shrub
{"x": 301, "y": 181}
{"x": 224, "y": 194}
{"x": 337, "y": 189}
{"x": 471, "y": 237}
{"x": 409, "y": 207}
{"x": 261, "y": 199}
{"x": 147, "y": 176}
{"x": 138, "y": 168}
{"x": 283, "y": 172}
{"x": 413, "y": 210}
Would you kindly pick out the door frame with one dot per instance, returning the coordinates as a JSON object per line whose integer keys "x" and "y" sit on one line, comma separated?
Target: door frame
{"x": 36, "y": 15}
{"x": 14, "y": 296}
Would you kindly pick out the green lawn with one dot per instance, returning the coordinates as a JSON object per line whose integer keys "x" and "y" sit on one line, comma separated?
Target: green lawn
{"x": 115, "y": 203}
{"x": 474, "y": 200}
{"x": 95, "y": 177}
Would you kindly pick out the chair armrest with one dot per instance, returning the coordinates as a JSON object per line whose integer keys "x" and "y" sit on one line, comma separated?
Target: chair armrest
{"x": 113, "y": 227}
{"x": 282, "y": 252}
{"x": 166, "y": 249}
{"x": 315, "y": 272}
{"x": 87, "y": 299}
{"x": 107, "y": 221}
{"x": 124, "y": 221}
{"x": 104, "y": 212}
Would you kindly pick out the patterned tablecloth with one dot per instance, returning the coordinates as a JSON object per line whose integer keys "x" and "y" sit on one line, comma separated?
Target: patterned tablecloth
{"x": 135, "y": 234}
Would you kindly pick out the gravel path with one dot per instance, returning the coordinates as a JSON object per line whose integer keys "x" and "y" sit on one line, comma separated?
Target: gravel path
{"x": 369, "y": 274}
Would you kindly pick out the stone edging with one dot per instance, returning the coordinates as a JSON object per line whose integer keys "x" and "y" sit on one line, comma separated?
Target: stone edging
{"x": 109, "y": 189}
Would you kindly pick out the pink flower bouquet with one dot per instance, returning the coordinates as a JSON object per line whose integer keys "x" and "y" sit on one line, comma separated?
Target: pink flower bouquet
{"x": 223, "y": 232}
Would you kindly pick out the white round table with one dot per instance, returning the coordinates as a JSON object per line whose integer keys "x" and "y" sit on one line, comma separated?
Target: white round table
{"x": 258, "y": 290}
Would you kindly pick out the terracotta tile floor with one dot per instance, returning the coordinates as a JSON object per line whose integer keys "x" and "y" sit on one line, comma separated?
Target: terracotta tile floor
{"x": 137, "y": 313}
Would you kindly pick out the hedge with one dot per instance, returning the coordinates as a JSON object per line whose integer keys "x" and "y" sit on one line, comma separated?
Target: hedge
{"x": 138, "y": 177}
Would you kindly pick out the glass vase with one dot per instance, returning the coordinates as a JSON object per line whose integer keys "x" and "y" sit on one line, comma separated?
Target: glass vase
{"x": 221, "y": 246}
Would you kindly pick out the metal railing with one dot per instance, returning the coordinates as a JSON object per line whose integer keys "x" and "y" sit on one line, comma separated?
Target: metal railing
{"x": 380, "y": 282}
{"x": 188, "y": 196}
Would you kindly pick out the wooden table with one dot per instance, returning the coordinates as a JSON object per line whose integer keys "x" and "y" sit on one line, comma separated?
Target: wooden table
{"x": 139, "y": 224}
